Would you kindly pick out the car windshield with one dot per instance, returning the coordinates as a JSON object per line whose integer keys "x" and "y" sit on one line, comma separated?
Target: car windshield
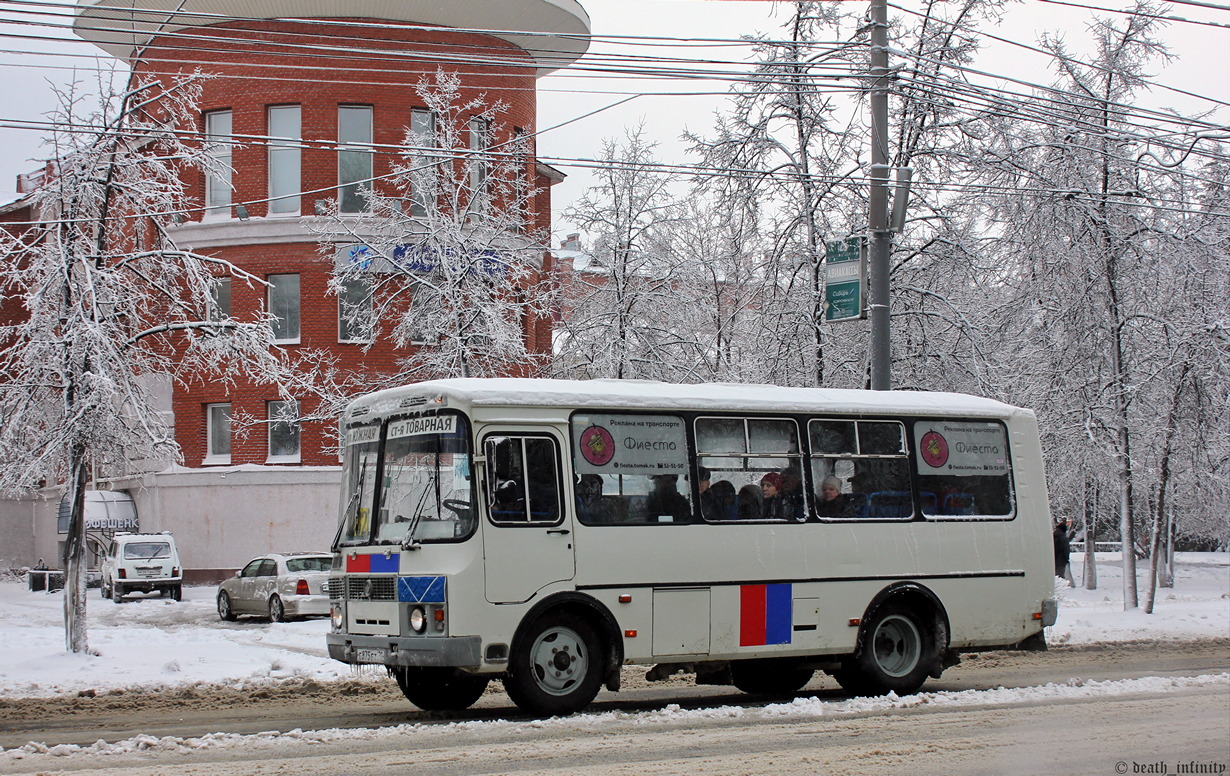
{"x": 425, "y": 490}
{"x": 314, "y": 563}
{"x": 147, "y": 550}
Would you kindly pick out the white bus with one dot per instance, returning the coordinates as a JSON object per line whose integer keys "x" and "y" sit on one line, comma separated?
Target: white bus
{"x": 548, "y": 532}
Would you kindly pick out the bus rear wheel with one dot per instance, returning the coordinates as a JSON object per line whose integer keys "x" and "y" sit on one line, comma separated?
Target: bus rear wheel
{"x": 779, "y": 678}
{"x": 439, "y": 689}
{"x": 557, "y": 668}
{"x": 896, "y": 654}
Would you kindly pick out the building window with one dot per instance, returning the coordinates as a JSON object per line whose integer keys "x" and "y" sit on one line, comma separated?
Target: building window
{"x": 521, "y": 180}
{"x": 284, "y": 165}
{"x": 219, "y": 299}
{"x": 284, "y": 307}
{"x": 479, "y": 144}
{"x": 423, "y": 126}
{"x": 283, "y": 431}
{"x": 354, "y": 311}
{"x": 354, "y": 156}
{"x": 218, "y": 170}
{"x": 218, "y": 433}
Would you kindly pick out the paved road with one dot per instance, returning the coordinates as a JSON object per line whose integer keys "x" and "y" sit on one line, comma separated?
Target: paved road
{"x": 1177, "y": 726}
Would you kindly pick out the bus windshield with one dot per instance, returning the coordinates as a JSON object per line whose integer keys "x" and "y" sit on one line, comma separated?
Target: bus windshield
{"x": 359, "y": 483}
{"x": 425, "y": 493}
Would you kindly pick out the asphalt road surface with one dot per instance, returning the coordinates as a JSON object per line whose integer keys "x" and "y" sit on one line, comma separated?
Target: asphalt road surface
{"x": 1175, "y": 729}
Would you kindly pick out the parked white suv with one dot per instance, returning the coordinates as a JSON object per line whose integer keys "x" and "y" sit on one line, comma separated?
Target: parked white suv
{"x": 144, "y": 562}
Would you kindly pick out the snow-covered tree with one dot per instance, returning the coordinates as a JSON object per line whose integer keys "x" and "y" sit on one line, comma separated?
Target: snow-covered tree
{"x": 101, "y": 304}
{"x": 784, "y": 139}
{"x": 1104, "y": 253}
{"x": 447, "y": 257}
{"x": 621, "y": 311}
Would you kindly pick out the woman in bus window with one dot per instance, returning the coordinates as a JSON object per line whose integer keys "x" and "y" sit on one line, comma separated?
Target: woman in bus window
{"x": 832, "y": 503}
{"x": 769, "y": 486}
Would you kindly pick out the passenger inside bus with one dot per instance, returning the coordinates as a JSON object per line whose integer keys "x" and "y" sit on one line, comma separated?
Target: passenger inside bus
{"x": 665, "y": 500}
{"x": 751, "y": 502}
{"x": 590, "y": 505}
{"x": 832, "y": 502}
{"x": 794, "y": 505}
{"x": 720, "y": 504}
{"x": 771, "y": 508}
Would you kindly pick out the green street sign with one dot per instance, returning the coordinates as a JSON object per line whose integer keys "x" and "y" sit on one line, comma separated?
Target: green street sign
{"x": 845, "y": 279}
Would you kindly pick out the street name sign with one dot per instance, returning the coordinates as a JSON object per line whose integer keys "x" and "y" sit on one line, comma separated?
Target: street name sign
{"x": 845, "y": 279}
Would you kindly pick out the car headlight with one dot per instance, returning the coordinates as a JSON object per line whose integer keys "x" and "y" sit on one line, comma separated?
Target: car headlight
{"x": 418, "y": 619}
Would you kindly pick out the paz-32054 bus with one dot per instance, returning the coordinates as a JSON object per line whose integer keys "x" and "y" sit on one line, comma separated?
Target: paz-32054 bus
{"x": 547, "y": 532}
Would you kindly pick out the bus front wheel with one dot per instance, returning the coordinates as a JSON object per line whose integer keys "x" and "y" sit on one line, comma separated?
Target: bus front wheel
{"x": 558, "y": 667}
{"x": 439, "y": 689}
{"x": 896, "y": 654}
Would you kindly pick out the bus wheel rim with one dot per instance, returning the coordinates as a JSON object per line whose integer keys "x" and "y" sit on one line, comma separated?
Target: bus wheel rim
{"x": 897, "y": 645}
{"x": 559, "y": 660}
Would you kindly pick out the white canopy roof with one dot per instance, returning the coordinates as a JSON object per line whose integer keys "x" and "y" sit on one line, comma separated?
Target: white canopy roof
{"x": 554, "y": 32}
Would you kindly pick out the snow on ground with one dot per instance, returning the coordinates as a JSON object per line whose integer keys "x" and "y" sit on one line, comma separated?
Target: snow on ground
{"x": 1198, "y": 606}
{"x": 149, "y": 642}
{"x": 152, "y": 642}
{"x": 799, "y": 708}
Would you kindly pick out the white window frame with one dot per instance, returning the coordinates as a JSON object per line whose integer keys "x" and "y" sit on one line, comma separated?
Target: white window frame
{"x": 213, "y": 457}
{"x": 345, "y": 321}
{"x": 358, "y": 145}
{"x": 272, "y": 410}
{"x": 285, "y": 157}
{"x": 423, "y": 125}
{"x": 219, "y": 188}
{"x": 219, "y": 308}
{"x": 289, "y": 338}
{"x": 480, "y": 143}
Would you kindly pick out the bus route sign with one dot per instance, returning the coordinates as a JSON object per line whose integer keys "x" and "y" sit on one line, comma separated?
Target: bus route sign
{"x": 845, "y": 279}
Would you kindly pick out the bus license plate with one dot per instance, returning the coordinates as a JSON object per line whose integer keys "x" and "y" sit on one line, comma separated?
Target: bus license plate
{"x": 369, "y": 655}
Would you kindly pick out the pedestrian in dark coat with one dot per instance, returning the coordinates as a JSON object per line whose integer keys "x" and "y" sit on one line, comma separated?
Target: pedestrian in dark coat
{"x": 1063, "y": 552}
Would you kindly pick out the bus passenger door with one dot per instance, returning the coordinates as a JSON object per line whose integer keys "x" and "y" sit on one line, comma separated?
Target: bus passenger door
{"x": 527, "y": 536}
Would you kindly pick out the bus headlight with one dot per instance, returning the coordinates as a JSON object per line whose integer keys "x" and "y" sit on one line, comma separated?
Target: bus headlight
{"x": 336, "y": 616}
{"x": 418, "y": 619}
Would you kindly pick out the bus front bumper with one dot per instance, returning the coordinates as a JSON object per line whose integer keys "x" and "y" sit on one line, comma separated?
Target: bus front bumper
{"x": 425, "y": 651}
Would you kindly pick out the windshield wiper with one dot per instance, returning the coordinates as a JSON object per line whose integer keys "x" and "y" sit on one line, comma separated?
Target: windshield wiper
{"x": 408, "y": 541}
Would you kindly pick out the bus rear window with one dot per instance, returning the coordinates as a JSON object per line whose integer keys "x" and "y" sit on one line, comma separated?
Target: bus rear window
{"x": 963, "y": 468}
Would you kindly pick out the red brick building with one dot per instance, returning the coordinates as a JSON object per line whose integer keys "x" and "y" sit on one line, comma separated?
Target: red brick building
{"x": 308, "y": 99}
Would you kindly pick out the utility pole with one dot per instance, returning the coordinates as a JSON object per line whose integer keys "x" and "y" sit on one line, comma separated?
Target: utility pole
{"x": 881, "y": 239}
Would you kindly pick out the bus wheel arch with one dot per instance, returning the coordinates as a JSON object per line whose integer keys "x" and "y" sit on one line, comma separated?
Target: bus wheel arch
{"x": 580, "y": 628}
{"x": 903, "y": 638}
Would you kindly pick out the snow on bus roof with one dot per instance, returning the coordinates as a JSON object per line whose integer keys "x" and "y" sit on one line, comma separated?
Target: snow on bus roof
{"x": 649, "y": 394}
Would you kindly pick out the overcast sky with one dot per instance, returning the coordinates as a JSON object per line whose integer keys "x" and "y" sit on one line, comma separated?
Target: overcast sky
{"x": 1202, "y": 66}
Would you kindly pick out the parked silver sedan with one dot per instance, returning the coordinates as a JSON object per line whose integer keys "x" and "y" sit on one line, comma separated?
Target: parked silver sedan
{"x": 278, "y": 586}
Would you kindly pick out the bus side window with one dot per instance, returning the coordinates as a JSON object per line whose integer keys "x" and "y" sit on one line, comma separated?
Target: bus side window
{"x": 523, "y": 479}
{"x": 963, "y": 468}
{"x": 742, "y": 457}
{"x": 861, "y": 469}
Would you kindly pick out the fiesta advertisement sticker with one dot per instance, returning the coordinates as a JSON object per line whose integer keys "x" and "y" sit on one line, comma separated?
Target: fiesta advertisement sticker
{"x": 629, "y": 444}
{"x": 597, "y": 445}
{"x": 934, "y": 449}
{"x": 961, "y": 448}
